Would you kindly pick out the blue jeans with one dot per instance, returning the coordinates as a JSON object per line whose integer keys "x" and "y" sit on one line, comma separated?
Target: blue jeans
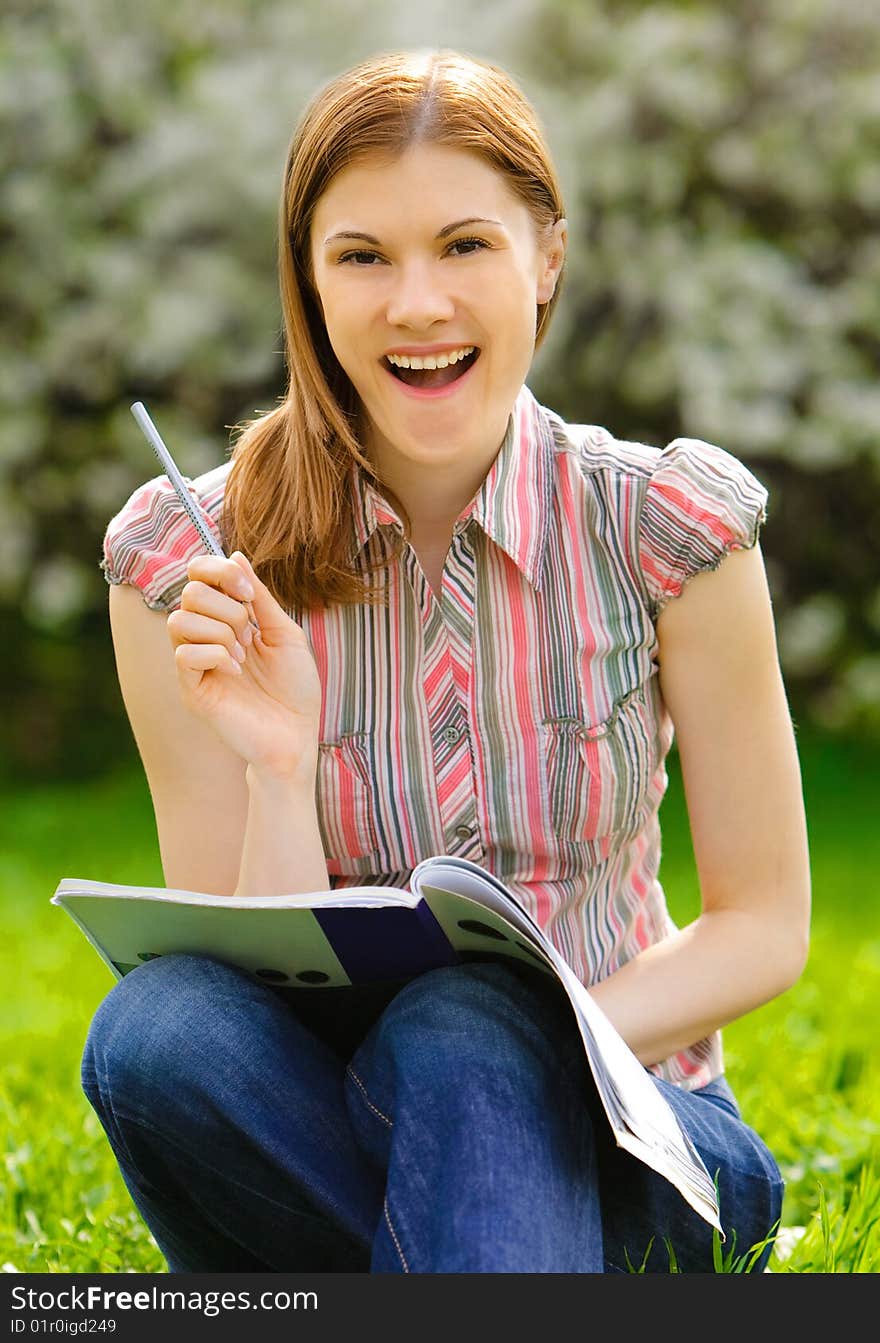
{"x": 448, "y": 1125}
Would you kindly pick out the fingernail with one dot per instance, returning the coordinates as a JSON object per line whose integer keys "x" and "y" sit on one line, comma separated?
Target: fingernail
{"x": 239, "y": 652}
{"x": 246, "y": 591}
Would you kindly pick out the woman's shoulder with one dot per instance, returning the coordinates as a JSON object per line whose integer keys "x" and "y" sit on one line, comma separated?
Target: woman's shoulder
{"x": 150, "y": 540}
{"x": 686, "y": 504}
{"x": 598, "y": 450}
{"x": 692, "y": 465}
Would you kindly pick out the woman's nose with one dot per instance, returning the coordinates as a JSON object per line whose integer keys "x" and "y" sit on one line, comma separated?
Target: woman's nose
{"x": 418, "y": 298}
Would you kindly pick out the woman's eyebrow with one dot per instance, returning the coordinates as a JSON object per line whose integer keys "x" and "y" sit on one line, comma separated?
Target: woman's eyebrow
{"x": 449, "y": 228}
{"x": 463, "y": 223}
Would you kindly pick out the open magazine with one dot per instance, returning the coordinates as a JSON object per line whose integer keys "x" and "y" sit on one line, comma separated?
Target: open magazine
{"x": 455, "y": 911}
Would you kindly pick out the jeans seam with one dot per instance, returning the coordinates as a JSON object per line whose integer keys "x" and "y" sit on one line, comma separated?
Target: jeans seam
{"x": 109, "y": 1104}
{"x": 401, "y": 1255}
{"x": 363, "y": 1090}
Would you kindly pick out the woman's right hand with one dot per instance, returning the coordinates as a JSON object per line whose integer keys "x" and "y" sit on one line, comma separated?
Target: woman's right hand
{"x": 268, "y": 711}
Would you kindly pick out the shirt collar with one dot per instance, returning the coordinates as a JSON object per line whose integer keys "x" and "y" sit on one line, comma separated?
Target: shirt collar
{"x": 512, "y": 505}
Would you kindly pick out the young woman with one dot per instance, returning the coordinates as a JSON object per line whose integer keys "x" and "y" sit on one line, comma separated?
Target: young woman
{"x": 479, "y": 627}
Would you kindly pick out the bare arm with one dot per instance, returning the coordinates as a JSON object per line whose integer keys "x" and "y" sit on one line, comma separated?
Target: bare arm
{"x": 282, "y": 852}
{"x": 223, "y": 828}
{"x": 721, "y": 681}
{"x": 198, "y": 785}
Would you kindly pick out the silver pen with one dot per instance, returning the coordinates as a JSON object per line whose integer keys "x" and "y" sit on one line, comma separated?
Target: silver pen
{"x": 193, "y": 512}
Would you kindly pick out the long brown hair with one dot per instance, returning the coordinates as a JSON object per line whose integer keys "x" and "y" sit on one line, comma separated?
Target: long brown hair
{"x": 286, "y": 493}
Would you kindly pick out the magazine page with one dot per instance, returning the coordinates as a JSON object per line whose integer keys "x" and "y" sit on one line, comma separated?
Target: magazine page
{"x": 640, "y": 1118}
{"x": 366, "y": 896}
{"x": 275, "y": 944}
{"x": 289, "y": 942}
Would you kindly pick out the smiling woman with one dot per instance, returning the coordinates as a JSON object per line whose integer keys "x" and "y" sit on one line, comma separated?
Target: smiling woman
{"x": 429, "y": 292}
{"x": 480, "y": 628}
{"x": 419, "y": 202}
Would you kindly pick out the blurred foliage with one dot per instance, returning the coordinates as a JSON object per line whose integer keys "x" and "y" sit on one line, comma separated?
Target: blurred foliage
{"x": 722, "y": 178}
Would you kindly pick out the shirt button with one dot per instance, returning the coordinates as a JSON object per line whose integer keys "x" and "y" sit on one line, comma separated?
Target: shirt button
{"x": 451, "y": 734}
{"x": 464, "y": 831}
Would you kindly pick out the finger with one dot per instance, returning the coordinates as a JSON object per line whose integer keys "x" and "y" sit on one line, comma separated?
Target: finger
{"x": 199, "y": 597}
{"x": 192, "y": 661}
{"x": 187, "y": 626}
{"x": 269, "y": 614}
{"x": 220, "y": 572}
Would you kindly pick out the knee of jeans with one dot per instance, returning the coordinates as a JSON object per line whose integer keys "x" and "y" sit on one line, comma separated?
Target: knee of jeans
{"x": 150, "y": 1023}
{"x": 476, "y": 1015}
{"x": 459, "y": 992}
{"x": 775, "y": 1188}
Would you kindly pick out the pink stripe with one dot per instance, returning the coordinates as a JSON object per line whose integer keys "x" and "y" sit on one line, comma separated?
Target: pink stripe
{"x": 347, "y": 810}
{"x": 452, "y": 781}
{"x": 529, "y": 736}
{"x": 523, "y": 500}
{"x": 434, "y": 678}
{"x": 401, "y": 766}
{"x": 693, "y": 509}
{"x": 594, "y": 808}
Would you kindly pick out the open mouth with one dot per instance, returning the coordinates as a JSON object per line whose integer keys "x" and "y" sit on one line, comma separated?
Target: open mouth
{"x": 429, "y": 378}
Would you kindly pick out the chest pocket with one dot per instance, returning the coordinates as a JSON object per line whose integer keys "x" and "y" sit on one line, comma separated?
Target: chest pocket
{"x": 598, "y": 776}
{"x": 344, "y": 795}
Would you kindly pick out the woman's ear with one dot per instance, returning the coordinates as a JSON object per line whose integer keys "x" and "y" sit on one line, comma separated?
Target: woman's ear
{"x": 552, "y": 259}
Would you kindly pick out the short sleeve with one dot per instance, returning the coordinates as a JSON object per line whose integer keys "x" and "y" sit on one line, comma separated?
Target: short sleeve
{"x": 151, "y": 540}
{"x": 700, "y": 502}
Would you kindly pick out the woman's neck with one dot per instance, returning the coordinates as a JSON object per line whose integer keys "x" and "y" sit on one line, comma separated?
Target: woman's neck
{"x": 433, "y": 498}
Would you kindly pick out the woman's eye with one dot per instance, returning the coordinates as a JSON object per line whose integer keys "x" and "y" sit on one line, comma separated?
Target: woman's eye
{"x": 472, "y": 244}
{"x": 467, "y": 247}
{"x": 359, "y": 257}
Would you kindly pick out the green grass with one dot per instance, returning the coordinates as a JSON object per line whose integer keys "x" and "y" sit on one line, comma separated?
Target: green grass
{"x": 805, "y": 1067}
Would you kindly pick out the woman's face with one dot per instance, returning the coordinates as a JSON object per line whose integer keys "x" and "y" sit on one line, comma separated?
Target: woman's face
{"x": 431, "y": 254}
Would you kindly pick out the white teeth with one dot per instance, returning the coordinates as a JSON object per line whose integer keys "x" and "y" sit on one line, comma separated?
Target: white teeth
{"x": 430, "y": 360}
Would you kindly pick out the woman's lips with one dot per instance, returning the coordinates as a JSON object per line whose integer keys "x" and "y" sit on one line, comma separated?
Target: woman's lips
{"x": 432, "y": 393}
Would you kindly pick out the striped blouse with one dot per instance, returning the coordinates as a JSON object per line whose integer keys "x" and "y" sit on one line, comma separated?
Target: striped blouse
{"x": 516, "y": 719}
